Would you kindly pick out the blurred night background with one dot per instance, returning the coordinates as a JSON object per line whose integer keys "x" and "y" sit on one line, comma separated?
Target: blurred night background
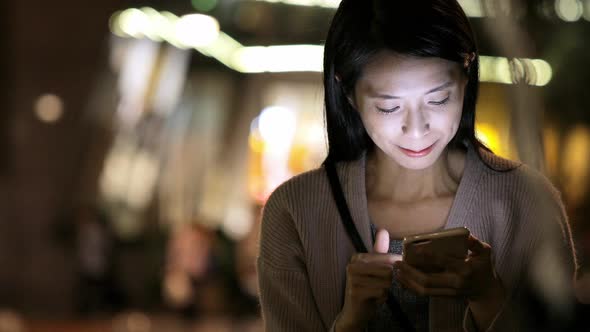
{"x": 141, "y": 138}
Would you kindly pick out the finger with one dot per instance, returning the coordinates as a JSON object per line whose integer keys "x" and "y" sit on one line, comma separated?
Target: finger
{"x": 448, "y": 263}
{"x": 387, "y": 259}
{"x": 427, "y": 260}
{"x": 430, "y": 280}
{"x": 362, "y": 293}
{"x": 476, "y": 246}
{"x": 381, "y": 241}
{"x": 370, "y": 282}
{"x": 370, "y": 270}
{"x": 426, "y": 291}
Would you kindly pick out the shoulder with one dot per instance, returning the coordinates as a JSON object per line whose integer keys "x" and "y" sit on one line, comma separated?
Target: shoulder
{"x": 518, "y": 183}
{"x": 517, "y": 173}
{"x": 497, "y": 163}
{"x": 297, "y": 189}
{"x": 286, "y": 216}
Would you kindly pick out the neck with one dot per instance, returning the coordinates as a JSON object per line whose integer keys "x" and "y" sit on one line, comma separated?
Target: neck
{"x": 387, "y": 180}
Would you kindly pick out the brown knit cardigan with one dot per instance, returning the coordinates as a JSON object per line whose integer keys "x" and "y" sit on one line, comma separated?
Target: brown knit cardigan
{"x": 304, "y": 248}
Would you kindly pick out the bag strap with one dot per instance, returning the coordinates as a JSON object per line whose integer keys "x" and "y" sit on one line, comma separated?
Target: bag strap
{"x": 353, "y": 233}
{"x": 357, "y": 241}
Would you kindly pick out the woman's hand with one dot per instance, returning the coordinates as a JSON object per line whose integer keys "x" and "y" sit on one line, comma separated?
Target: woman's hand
{"x": 472, "y": 277}
{"x": 368, "y": 279}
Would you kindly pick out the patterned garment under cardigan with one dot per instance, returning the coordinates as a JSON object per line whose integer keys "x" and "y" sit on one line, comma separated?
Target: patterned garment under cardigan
{"x": 304, "y": 248}
{"x": 415, "y": 307}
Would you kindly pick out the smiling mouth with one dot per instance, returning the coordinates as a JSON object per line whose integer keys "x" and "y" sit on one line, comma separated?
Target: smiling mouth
{"x": 417, "y": 154}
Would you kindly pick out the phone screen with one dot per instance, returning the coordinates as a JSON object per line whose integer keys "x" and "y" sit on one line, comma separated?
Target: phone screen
{"x": 452, "y": 242}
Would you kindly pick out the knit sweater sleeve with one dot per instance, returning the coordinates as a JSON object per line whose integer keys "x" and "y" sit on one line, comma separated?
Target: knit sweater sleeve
{"x": 541, "y": 257}
{"x": 285, "y": 294}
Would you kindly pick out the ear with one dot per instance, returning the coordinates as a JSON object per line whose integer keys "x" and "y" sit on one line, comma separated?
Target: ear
{"x": 468, "y": 59}
{"x": 351, "y": 100}
{"x": 349, "y": 95}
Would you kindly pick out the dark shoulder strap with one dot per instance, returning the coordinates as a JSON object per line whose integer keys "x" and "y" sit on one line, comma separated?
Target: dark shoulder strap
{"x": 343, "y": 208}
{"x": 355, "y": 237}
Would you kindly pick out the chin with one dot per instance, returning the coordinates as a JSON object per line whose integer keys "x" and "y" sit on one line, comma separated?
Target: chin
{"x": 416, "y": 164}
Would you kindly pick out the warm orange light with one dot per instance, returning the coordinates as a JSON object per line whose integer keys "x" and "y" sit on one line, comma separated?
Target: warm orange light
{"x": 575, "y": 165}
{"x": 489, "y": 136}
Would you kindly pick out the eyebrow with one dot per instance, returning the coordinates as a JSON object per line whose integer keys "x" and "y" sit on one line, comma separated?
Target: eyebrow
{"x": 438, "y": 88}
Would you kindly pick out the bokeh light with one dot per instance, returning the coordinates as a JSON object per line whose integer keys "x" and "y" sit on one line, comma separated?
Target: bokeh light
{"x": 49, "y": 108}
{"x": 576, "y": 164}
{"x": 196, "y": 30}
{"x": 204, "y": 5}
{"x": 277, "y": 126}
{"x": 10, "y": 321}
{"x": 135, "y": 23}
{"x": 569, "y": 10}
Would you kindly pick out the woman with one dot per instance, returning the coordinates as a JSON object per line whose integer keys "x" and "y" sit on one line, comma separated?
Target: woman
{"x": 401, "y": 82}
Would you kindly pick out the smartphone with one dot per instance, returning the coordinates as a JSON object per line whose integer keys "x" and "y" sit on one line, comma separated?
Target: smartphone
{"x": 451, "y": 242}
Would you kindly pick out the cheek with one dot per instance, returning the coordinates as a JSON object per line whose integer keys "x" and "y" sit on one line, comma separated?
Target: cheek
{"x": 447, "y": 122}
{"x": 381, "y": 128}
{"x": 455, "y": 120}
{"x": 454, "y": 115}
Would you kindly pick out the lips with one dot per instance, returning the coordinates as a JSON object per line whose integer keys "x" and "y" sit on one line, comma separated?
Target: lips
{"x": 417, "y": 153}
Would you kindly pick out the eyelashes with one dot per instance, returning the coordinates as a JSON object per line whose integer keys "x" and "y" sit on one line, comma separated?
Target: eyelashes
{"x": 395, "y": 109}
{"x": 442, "y": 102}
{"x": 391, "y": 110}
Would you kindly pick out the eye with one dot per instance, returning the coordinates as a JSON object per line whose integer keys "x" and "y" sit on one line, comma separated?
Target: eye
{"x": 441, "y": 102}
{"x": 390, "y": 110}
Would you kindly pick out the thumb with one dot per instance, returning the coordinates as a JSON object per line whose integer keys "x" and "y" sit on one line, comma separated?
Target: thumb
{"x": 381, "y": 245}
{"x": 475, "y": 245}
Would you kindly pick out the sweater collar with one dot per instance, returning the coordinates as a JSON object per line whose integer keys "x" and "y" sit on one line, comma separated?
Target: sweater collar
{"x": 352, "y": 176}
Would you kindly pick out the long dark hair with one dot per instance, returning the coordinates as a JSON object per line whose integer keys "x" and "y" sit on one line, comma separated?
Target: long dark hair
{"x": 362, "y": 28}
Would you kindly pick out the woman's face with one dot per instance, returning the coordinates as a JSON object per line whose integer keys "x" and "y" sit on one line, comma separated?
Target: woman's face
{"x": 410, "y": 107}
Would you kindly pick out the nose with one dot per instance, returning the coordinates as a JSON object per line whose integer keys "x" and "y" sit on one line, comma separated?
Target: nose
{"x": 415, "y": 124}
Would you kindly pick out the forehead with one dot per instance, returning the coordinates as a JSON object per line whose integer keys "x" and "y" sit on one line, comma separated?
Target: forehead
{"x": 389, "y": 70}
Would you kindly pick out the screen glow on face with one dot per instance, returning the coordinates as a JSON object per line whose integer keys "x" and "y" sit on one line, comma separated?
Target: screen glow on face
{"x": 411, "y": 107}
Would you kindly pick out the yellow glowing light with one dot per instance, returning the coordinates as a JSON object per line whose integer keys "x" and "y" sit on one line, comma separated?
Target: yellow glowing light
{"x": 543, "y": 70}
{"x": 308, "y": 3}
{"x": 250, "y": 59}
{"x": 488, "y": 135}
{"x": 285, "y": 58}
{"x": 196, "y": 30}
{"x": 114, "y": 24}
{"x": 494, "y": 69}
{"x": 49, "y": 108}
{"x": 575, "y": 165}
{"x": 135, "y": 23}
{"x": 255, "y": 141}
{"x": 202, "y": 33}
{"x": 155, "y": 24}
{"x": 497, "y": 70}
{"x": 551, "y": 143}
{"x": 277, "y": 125}
{"x": 222, "y": 49}
{"x": 189, "y": 31}
{"x": 569, "y": 10}
{"x": 166, "y": 25}
{"x": 472, "y": 8}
